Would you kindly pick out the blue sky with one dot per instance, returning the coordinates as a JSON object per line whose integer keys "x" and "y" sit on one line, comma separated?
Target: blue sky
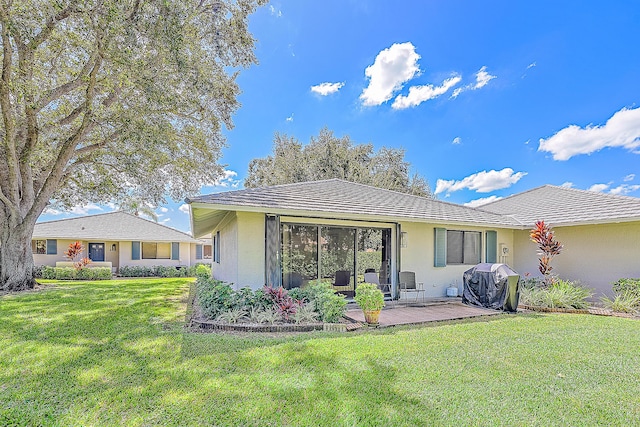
{"x": 487, "y": 98}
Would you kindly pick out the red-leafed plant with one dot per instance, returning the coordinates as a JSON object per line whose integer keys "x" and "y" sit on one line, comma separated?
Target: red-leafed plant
{"x": 73, "y": 252}
{"x": 282, "y": 301}
{"x": 548, "y": 247}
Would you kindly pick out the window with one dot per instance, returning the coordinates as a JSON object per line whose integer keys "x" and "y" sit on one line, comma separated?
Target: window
{"x": 48, "y": 247}
{"x": 152, "y": 250}
{"x": 463, "y": 247}
{"x": 39, "y": 246}
{"x": 206, "y": 251}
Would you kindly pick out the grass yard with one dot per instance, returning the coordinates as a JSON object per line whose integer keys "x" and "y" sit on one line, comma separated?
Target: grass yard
{"x": 115, "y": 353}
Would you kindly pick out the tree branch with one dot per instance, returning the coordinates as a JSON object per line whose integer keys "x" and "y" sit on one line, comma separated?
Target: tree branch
{"x": 51, "y": 25}
{"x": 61, "y": 90}
{"x": 8, "y": 115}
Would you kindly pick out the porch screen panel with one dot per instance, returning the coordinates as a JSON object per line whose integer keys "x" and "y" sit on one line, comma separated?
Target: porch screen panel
{"x": 299, "y": 254}
{"x": 273, "y": 271}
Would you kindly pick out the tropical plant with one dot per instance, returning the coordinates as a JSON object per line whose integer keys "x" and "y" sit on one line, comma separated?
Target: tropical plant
{"x": 268, "y": 315}
{"x": 305, "y": 314}
{"x": 559, "y": 294}
{"x": 548, "y": 247}
{"x": 74, "y": 251}
{"x": 282, "y": 302}
{"x": 626, "y": 302}
{"x": 369, "y": 297}
{"x": 232, "y": 315}
{"x": 107, "y": 100}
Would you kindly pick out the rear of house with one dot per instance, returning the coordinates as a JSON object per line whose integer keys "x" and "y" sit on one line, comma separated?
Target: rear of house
{"x": 336, "y": 231}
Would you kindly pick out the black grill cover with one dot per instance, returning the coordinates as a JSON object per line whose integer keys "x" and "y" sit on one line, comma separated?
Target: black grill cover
{"x": 493, "y": 286}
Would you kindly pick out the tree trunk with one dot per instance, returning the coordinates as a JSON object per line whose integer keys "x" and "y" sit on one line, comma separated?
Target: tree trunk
{"x": 16, "y": 259}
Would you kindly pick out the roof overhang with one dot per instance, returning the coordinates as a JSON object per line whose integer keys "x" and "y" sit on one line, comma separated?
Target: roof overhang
{"x": 205, "y": 217}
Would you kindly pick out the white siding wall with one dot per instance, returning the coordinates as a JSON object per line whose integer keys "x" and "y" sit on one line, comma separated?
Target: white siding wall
{"x": 418, "y": 256}
{"x": 596, "y": 255}
{"x": 251, "y": 247}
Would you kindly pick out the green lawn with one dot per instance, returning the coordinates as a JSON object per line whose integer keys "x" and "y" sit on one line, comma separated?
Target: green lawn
{"x": 115, "y": 353}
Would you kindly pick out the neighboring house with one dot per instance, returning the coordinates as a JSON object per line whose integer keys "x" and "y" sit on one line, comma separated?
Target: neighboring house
{"x": 336, "y": 230}
{"x": 600, "y": 233}
{"x": 120, "y": 239}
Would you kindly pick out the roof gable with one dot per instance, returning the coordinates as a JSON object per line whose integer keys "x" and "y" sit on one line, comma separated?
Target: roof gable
{"x": 118, "y": 225}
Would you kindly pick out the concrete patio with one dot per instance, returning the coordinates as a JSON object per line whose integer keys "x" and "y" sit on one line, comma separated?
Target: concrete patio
{"x": 432, "y": 310}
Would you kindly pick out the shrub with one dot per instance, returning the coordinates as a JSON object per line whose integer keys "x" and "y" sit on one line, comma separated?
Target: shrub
{"x": 232, "y": 315}
{"x": 214, "y": 296}
{"x": 627, "y": 285}
{"x": 200, "y": 270}
{"x": 269, "y": 315}
{"x": 329, "y": 305}
{"x": 48, "y": 272}
{"x": 626, "y": 302}
{"x": 560, "y": 294}
{"x": 305, "y": 314}
{"x": 65, "y": 273}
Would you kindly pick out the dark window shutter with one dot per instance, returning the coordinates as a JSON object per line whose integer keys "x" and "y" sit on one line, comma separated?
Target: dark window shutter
{"x": 492, "y": 247}
{"x": 217, "y": 247}
{"x": 440, "y": 249}
{"x": 198, "y": 251}
{"x": 135, "y": 250}
{"x": 175, "y": 250}
{"x": 52, "y": 247}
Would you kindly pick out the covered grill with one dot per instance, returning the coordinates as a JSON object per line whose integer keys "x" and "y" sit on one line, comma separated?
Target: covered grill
{"x": 493, "y": 286}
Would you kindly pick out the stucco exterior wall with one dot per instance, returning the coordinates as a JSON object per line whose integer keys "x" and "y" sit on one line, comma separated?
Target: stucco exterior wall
{"x": 419, "y": 254}
{"x": 596, "y": 255}
{"x": 251, "y": 249}
{"x": 227, "y": 269}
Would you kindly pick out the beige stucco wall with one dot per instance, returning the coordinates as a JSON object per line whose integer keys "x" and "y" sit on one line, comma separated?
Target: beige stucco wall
{"x": 596, "y": 255}
{"x": 251, "y": 249}
{"x": 227, "y": 269}
{"x": 419, "y": 254}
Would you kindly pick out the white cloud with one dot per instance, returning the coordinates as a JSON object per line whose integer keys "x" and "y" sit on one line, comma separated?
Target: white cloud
{"x": 482, "y": 79}
{"x": 275, "y": 11}
{"x": 290, "y": 118}
{"x": 228, "y": 180}
{"x": 482, "y": 182}
{"x": 163, "y": 209}
{"x": 533, "y": 64}
{"x": 184, "y": 208}
{"x": 482, "y": 201}
{"x": 629, "y": 177}
{"x": 327, "y": 88}
{"x": 457, "y": 140}
{"x": 621, "y": 130}
{"x": 599, "y": 188}
{"x": 391, "y": 69}
{"x": 623, "y": 189}
{"x": 164, "y": 221}
{"x": 567, "y": 184}
{"x": 419, "y": 94}
{"x": 76, "y": 210}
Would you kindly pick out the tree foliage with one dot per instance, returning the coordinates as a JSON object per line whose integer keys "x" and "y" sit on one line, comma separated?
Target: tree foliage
{"x": 327, "y": 156}
{"x": 104, "y": 100}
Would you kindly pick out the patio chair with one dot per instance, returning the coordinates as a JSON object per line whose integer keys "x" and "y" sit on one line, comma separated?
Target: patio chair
{"x": 408, "y": 284}
{"x": 342, "y": 279}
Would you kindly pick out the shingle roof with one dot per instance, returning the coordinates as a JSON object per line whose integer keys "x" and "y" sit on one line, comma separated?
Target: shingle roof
{"x": 566, "y": 206}
{"x": 338, "y": 197}
{"x": 110, "y": 226}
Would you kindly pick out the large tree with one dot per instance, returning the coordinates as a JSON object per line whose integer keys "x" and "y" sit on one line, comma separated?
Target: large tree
{"x": 327, "y": 156}
{"x": 108, "y": 100}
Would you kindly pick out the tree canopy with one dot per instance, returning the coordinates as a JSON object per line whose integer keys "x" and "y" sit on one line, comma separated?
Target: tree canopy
{"x": 327, "y": 156}
{"x": 107, "y": 100}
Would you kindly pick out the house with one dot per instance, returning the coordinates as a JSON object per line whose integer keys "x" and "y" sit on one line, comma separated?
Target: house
{"x": 117, "y": 239}
{"x": 336, "y": 230}
{"x": 600, "y": 233}
{"x": 290, "y": 234}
